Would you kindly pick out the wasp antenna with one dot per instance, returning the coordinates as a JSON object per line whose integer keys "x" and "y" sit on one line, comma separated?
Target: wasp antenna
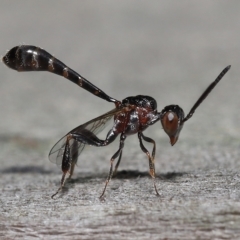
{"x": 206, "y": 92}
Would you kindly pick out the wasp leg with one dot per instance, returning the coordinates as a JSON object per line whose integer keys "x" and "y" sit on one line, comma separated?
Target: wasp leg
{"x": 74, "y": 156}
{"x": 147, "y": 139}
{"x": 119, "y": 151}
{"x": 117, "y": 164}
{"x": 150, "y": 158}
{"x": 85, "y": 137}
{"x": 66, "y": 165}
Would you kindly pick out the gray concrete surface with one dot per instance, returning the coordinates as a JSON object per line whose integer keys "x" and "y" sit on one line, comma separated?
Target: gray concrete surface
{"x": 170, "y": 50}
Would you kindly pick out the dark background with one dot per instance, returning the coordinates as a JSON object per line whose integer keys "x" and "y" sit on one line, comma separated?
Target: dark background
{"x": 170, "y": 50}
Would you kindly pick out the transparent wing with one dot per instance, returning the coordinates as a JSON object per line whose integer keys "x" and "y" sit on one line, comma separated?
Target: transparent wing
{"x": 95, "y": 126}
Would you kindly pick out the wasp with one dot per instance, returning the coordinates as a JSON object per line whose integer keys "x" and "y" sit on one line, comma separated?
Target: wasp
{"x": 130, "y": 116}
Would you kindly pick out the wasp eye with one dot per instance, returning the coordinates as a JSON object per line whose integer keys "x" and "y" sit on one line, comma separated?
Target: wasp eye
{"x": 170, "y": 117}
{"x": 170, "y": 123}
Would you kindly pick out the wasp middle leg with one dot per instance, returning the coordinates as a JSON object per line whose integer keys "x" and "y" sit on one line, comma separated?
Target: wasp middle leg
{"x": 118, "y": 153}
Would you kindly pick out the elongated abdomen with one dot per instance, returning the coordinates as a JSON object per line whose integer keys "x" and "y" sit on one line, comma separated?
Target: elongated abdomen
{"x": 31, "y": 58}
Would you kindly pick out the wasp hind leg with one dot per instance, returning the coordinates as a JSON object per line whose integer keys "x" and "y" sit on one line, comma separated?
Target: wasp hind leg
{"x": 67, "y": 166}
{"x": 70, "y": 154}
{"x": 74, "y": 154}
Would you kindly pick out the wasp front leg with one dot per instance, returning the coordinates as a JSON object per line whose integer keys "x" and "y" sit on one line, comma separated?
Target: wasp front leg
{"x": 150, "y": 158}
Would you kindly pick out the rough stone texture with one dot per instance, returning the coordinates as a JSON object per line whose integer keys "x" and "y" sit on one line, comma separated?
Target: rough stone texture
{"x": 169, "y": 50}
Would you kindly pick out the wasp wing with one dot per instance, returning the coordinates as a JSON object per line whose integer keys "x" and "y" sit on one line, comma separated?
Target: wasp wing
{"x": 95, "y": 126}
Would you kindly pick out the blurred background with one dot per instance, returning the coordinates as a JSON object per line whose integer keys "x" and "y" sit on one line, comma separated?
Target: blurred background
{"x": 170, "y": 50}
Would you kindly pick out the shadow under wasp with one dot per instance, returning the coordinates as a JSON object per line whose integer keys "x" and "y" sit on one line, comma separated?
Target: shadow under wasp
{"x": 130, "y": 116}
